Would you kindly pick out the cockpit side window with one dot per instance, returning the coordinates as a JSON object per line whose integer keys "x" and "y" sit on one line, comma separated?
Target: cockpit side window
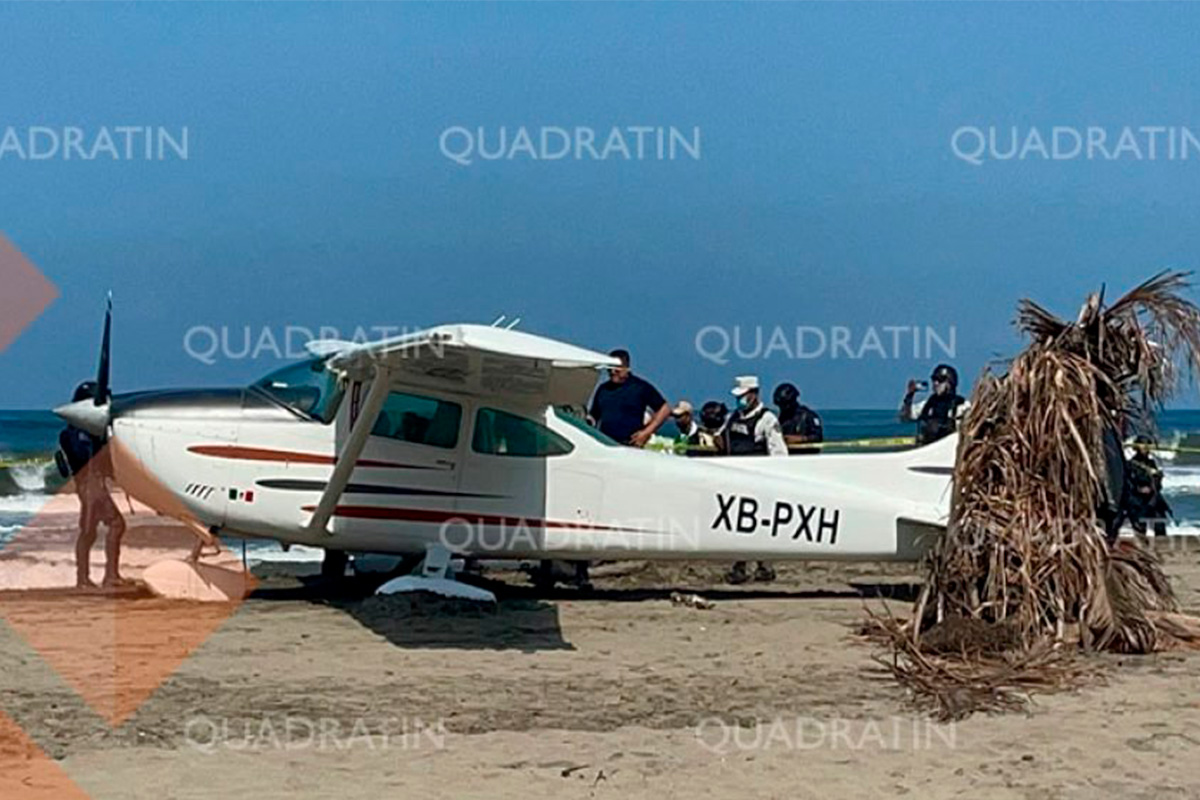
{"x": 308, "y": 388}
{"x": 419, "y": 420}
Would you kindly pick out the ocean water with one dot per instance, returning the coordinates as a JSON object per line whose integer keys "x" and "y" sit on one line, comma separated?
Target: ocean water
{"x": 28, "y": 475}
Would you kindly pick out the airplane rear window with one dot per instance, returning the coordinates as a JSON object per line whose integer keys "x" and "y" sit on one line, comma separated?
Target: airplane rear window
{"x": 420, "y": 420}
{"x": 499, "y": 433}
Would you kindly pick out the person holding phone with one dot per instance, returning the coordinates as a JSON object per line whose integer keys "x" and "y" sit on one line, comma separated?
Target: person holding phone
{"x": 936, "y": 416}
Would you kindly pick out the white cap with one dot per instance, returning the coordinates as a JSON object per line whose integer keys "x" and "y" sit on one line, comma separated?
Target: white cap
{"x": 744, "y": 383}
{"x": 683, "y": 407}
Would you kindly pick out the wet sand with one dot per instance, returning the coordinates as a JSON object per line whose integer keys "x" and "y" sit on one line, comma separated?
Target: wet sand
{"x": 621, "y": 694}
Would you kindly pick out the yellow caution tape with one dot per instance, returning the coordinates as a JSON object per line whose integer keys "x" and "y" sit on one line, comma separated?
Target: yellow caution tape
{"x": 24, "y": 462}
{"x": 891, "y": 441}
{"x": 792, "y": 441}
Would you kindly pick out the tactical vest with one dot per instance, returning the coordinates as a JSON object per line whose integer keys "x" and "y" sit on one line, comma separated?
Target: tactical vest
{"x": 938, "y": 417}
{"x": 801, "y": 421}
{"x": 740, "y": 431}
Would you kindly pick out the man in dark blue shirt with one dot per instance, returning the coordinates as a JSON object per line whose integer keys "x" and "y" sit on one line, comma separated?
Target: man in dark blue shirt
{"x": 620, "y": 404}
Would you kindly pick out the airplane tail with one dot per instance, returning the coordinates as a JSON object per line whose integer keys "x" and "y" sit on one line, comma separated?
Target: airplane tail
{"x": 918, "y": 485}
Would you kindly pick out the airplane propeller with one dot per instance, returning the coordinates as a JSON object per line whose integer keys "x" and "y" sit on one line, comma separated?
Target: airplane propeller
{"x": 94, "y": 415}
{"x": 104, "y": 370}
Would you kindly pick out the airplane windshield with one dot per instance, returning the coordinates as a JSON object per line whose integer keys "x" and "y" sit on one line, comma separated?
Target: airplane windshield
{"x": 307, "y": 388}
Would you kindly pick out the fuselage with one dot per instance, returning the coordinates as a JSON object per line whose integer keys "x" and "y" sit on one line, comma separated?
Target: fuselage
{"x": 493, "y": 477}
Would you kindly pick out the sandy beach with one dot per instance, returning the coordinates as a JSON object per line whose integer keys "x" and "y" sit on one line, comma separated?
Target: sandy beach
{"x": 621, "y": 694}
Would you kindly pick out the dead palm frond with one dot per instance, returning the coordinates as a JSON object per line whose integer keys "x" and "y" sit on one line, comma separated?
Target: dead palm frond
{"x": 1023, "y": 549}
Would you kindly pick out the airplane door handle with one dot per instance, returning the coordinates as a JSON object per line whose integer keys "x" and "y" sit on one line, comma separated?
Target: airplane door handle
{"x": 441, "y": 462}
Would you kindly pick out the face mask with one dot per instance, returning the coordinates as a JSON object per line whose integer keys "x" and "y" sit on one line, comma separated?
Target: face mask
{"x": 743, "y": 401}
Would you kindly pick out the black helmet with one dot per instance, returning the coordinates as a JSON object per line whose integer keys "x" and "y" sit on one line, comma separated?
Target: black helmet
{"x": 712, "y": 414}
{"x": 786, "y": 395}
{"x": 947, "y": 373}
{"x": 1143, "y": 439}
{"x": 85, "y": 391}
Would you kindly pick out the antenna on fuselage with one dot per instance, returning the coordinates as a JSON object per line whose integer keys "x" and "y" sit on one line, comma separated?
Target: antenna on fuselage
{"x": 499, "y": 322}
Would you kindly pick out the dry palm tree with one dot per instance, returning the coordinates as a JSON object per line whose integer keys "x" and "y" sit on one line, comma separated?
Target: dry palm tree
{"x": 1025, "y": 561}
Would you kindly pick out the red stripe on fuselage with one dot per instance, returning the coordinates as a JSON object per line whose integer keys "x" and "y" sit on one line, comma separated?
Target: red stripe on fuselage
{"x": 237, "y": 453}
{"x": 433, "y": 516}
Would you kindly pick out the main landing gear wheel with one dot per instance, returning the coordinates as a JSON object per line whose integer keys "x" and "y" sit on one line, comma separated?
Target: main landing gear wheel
{"x": 333, "y": 566}
{"x": 550, "y": 572}
{"x": 542, "y": 576}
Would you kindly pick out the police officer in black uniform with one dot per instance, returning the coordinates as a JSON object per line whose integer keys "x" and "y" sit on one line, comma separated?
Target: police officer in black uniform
{"x": 82, "y": 457}
{"x": 1145, "y": 502}
{"x": 801, "y": 425}
{"x": 936, "y": 416}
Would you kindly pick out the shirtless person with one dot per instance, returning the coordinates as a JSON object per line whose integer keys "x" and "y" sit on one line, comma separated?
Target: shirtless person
{"x": 86, "y": 461}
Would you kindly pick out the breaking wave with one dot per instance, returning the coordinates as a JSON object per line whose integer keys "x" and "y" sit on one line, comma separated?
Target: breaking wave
{"x": 27, "y": 482}
{"x": 259, "y": 551}
{"x": 27, "y": 474}
{"x": 1181, "y": 480}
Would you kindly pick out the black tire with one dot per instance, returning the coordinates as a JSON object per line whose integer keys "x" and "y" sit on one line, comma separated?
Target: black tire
{"x": 333, "y": 566}
{"x": 543, "y": 576}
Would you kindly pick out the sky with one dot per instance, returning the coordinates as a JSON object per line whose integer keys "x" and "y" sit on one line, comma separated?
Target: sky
{"x": 833, "y": 188}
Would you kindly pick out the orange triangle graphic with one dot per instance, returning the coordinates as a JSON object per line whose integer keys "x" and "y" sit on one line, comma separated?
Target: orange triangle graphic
{"x": 114, "y": 648}
{"x": 26, "y": 293}
{"x": 26, "y": 772}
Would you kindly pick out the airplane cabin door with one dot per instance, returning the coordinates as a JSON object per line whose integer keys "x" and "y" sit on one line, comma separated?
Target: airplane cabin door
{"x": 404, "y": 490}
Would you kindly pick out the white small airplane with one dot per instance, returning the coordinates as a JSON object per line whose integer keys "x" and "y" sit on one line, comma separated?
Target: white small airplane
{"x": 468, "y": 440}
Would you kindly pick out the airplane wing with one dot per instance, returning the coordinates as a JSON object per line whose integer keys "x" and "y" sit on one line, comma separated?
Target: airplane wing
{"x": 477, "y": 360}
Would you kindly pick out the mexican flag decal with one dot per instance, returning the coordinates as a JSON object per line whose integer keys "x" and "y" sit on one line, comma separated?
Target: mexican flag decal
{"x": 246, "y": 496}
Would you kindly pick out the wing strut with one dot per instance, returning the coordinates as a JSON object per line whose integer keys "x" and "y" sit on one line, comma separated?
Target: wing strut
{"x": 353, "y": 448}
